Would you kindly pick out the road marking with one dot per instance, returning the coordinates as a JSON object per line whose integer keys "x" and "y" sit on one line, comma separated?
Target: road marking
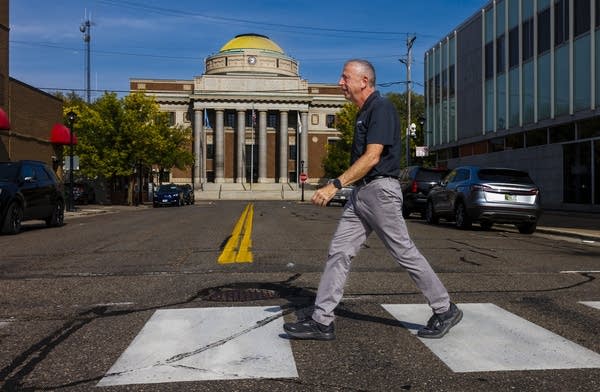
{"x": 490, "y": 338}
{"x": 581, "y": 272}
{"x": 206, "y": 344}
{"x": 593, "y": 304}
{"x": 239, "y": 245}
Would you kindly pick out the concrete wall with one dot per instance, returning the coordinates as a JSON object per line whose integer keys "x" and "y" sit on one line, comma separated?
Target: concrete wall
{"x": 543, "y": 163}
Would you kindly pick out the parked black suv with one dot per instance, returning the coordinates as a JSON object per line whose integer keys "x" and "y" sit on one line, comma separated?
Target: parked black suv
{"x": 416, "y": 181}
{"x": 29, "y": 190}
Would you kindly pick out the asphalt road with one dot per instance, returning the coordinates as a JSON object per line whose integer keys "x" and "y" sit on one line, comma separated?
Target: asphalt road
{"x": 74, "y": 298}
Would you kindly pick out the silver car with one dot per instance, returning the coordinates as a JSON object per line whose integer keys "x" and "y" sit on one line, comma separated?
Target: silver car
{"x": 486, "y": 195}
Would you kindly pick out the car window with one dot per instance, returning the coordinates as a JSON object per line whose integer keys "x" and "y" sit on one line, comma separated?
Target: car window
{"x": 28, "y": 171}
{"x": 41, "y": 174}
{"x": 462, "y": 175}
{"x": 505, "y": 175}
{"x": 450, "y": 177}
{"x": 430, "y": 175}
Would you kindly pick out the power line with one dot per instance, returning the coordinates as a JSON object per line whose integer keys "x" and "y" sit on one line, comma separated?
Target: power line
{"x": 222, "y": 19}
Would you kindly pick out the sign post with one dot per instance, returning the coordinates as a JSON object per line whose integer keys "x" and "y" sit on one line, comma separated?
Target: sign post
{"x": 303, "y": 178}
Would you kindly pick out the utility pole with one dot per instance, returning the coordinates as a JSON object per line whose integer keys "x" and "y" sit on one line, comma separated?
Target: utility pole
{"x": 410, "y": 40}
{"x": 86, "y": 29}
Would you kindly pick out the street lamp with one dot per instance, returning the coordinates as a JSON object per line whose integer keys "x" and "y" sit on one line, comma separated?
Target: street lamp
{"x": 71, "y": 117}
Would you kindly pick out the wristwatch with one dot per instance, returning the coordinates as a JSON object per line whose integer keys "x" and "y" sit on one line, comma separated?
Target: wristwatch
{"x": 336, "y": 183}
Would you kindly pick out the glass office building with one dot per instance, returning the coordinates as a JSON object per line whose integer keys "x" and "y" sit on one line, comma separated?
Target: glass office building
{"x": 518, "y": 85}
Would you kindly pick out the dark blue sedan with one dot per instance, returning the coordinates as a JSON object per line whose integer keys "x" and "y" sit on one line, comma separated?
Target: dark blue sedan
{"x": 168, "y": 195}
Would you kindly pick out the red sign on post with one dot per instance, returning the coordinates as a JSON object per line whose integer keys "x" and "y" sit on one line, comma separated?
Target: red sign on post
{"x": 303, "y": 177}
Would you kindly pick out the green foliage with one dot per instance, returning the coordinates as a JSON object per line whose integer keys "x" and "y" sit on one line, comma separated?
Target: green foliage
{"x": 337, "y": 159}
{"x": 116, "y": 135}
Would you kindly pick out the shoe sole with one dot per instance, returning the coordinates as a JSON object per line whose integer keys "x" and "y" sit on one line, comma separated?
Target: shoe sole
{"x": 310, "y": 335}
{"x": 445, "y": 331}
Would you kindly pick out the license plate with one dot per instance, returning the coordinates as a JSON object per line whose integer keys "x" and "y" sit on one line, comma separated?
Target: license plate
{"x": 508, "y": 197}
{"x": 165, "y": 200}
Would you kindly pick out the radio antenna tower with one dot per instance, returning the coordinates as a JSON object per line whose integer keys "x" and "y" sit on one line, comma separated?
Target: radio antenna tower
{"x": 86, "y": 29}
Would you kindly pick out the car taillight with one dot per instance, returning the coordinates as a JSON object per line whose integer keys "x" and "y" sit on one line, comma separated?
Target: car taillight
{"x": 414, "y": 187}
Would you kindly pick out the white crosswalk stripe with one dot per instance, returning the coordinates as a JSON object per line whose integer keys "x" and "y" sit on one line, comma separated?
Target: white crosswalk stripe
{"x": 593, "y": 304}
{"x": 490, "y": 338}
{"x": 206, "y": 344}
{"x": 247, "y": 342}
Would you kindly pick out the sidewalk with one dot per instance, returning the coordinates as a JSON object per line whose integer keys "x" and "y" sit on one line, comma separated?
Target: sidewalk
{"x": 582, "y": 225}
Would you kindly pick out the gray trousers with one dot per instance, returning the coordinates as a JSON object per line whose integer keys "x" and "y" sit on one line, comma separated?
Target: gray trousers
{"x": 377, "y": 207}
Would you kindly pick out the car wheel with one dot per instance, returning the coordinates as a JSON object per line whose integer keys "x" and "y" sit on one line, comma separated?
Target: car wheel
{"x": 430, "y": 216}
{"x": 58, "y": 215}
{"x": 486, "y": 225}
{"x": 527, "y": 228}
{"x": 405, "y": 212}
{"x": 461, "y": 218}
{"x": 12, "y": 220}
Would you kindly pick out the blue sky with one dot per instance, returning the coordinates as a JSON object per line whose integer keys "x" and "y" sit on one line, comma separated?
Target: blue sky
{"x": 170, "y": 39}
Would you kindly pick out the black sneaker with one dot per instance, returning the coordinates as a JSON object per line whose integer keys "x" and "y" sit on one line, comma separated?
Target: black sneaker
{"x": 439, "y": 324}
{"x": 310, "y": 329}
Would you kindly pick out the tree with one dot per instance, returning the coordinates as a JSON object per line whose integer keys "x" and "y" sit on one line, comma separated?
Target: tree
{"x": 337, "y": 159}
{"x": 417, "y": 112}
{"x": 116, "y": 137}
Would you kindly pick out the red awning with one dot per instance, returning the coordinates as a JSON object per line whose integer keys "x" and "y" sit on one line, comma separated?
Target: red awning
{"x": 4, "y": 123}
{"x": 60, "y": 134}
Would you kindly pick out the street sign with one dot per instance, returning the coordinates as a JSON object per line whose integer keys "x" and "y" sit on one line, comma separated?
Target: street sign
{"x": 303, "y": 177}
{"x": 422, "y": 151}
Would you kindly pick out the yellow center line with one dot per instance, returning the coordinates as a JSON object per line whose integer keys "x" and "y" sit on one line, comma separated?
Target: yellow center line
{"x": 239, "y": 245}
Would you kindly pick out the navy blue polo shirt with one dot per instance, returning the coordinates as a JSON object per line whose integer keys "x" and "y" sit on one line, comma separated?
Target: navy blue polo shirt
{"x": 377, "y": 123}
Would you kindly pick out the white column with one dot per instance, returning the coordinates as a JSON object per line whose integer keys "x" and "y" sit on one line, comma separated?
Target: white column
{"x": 199, "y": 162}
{"x": 304, "y": 141}
{"x": 283, "y": 147}
{"x": 219, "y": 145}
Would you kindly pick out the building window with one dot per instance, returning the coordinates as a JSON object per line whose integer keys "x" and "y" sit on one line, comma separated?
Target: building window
{"x": 561, "y": 22}
{"x": 543, "y": 30}
{"x": 513, "y": 47}
{"x": 582, "y": 83}
{"x": 230, "y": 119}
{"x": 489, "y": 60}
{"x": 562, "y": 133}
{"x": 500, "y": 57}
{"x": 536, "y": 137}
{"x": 210, "y": 151}
{"x": 171, "y": 118}
{"x": 527, "y": 44}
{"x": 496, "y": 144}
{"x": 581, "y": 21}
{"x": 330, "y": 120}
{"x": 598, "y": 18}
{"x": 292, "y": 152}
{"x": 452, "y": 86}
{"x": 577, "y": 177}
{"x": 437, "y": 88}
{"x": 515, "y": 141}
{"x": 444, "y": 84}
{"x": 272, "y": 120}
{"x": 589, "y": 128}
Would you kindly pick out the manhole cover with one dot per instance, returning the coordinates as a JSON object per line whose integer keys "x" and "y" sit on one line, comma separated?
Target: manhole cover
{"x": 240, "y": 295}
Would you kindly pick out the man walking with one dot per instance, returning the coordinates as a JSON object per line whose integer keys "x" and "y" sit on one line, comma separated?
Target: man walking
{"x": 376, "y": 205}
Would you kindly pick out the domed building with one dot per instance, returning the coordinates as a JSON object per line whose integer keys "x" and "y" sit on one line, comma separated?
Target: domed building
{"x": 254, "y": 119}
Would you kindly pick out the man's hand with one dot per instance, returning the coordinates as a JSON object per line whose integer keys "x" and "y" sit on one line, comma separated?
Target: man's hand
{"x": 322, "y": 195}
